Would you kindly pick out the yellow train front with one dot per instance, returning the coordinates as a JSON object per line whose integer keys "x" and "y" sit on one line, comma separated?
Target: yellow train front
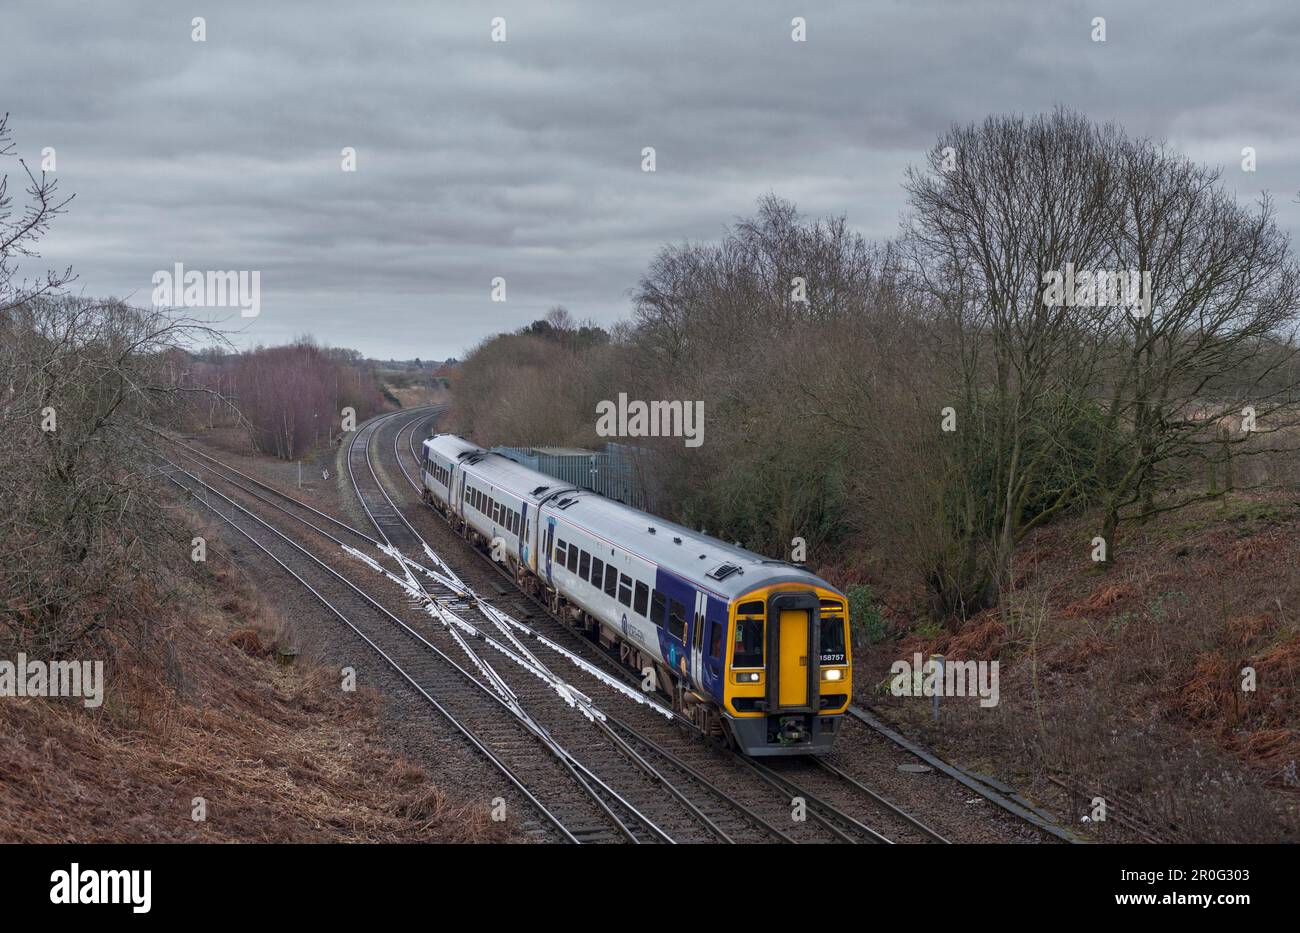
{"x": 789, "y": 669}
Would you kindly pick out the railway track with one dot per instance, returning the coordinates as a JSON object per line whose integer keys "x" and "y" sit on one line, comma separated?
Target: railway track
{"x": 710, "y": 808}
{"x": 837, "y": 791}
{"x": 720, "y": 795}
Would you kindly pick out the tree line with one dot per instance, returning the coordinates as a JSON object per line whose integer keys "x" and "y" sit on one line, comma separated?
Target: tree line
{"x": 289, "y": 398}
{"x": 929, "y": 400}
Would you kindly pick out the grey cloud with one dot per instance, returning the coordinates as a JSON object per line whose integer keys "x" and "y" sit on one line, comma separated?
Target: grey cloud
{"x": 522, "y": 159}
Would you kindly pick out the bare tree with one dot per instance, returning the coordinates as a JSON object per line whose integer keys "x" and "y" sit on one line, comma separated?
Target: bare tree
{"x": 81, "y": 524}
{"x": 20, "y": 231}
{"x": 1001, "y": 205}
{"x": 1215, "y": 342}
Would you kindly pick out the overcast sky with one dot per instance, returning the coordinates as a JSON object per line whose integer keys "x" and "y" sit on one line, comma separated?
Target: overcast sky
{"x": 522, "y": 159}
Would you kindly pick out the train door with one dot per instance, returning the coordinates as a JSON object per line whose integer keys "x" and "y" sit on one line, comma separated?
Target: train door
{"x": 547, "y": 549}
{"x": 697, "y": 639}
{"x": 715, "y": 646}
{"x": 523, "y": 533}
{"x": 793, "y": 627}
{"x": 790, "y": 651}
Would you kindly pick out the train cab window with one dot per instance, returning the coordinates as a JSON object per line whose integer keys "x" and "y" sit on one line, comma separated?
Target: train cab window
{"x": 832, "y": 640}
{"x": 658, "y": 608}
{"x": 625, "y": 590}
{"x": 560, "y": 552}
{"x": 715, "y": 641}
{"x": 747, "y": 651}
{"x": 584, "y": 565}
{"x": 597, "y": 571}
{"x": 642, "y": 597}
{"x": 677, "y": 620}
{"x": 573, "y": 558}
{"x": 611, "y": 580}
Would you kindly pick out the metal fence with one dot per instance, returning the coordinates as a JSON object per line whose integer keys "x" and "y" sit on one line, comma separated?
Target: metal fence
{"x": 612, "y": 472}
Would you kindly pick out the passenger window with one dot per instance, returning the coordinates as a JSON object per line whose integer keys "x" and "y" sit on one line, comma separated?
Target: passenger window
{"x": 597, "y": 571}
{"x": 584, "y": 565}
{"x": 625, "y": 590}
{"x": 559, "y": 553}
{"x": 658, "y": 606}
{"x": 715, "y": 642}
{"x": 611, "y": 580}
{"x": 642, "y": 596}
{"x": 677, "y": 620}
{"x": 573, "y": 558}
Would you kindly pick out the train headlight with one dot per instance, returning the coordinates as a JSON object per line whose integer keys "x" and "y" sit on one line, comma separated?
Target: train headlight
{"x": 833, "y": 674}
{"x": 748, "y": 677}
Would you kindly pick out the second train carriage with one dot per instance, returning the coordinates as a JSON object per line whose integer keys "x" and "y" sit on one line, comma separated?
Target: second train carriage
{"x": 753, "y": 649}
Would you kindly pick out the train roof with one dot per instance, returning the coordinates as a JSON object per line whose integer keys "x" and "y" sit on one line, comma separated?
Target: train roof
{"x": 728, "y": 570}
{"x": 451, "y": 446}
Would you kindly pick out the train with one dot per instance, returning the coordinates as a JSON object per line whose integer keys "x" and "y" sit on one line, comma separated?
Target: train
{"x": 755, "y": 652}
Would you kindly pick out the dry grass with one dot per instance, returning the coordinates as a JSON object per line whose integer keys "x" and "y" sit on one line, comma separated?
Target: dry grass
{"x": 1130, "y": 682}
{"x": 279, "y": 753}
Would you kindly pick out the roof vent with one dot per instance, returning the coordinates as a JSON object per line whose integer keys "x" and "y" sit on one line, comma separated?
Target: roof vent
{"x": 540, "y": 489}
{"x": 722, "y": 571}
{"x": 651, "y": 529}
{"x": 677, "y": 540}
